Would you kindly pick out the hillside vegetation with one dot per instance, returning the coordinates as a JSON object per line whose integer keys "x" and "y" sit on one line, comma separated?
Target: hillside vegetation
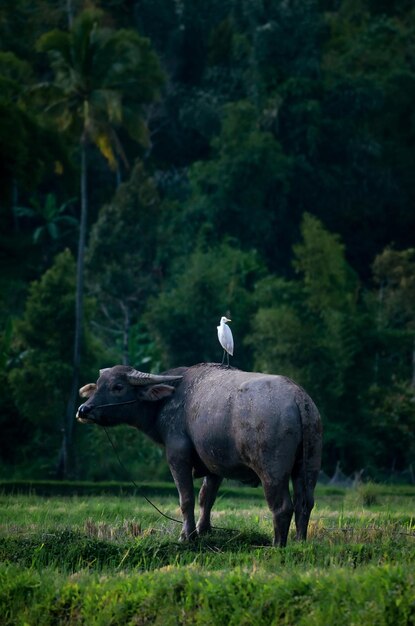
{"x": 165, "y": 163}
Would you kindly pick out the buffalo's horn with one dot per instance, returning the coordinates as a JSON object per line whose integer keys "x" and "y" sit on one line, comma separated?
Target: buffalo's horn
{"x": 142, "y": 378}
{"x": 87, "y": 390}
{"x": 106, "y": 369}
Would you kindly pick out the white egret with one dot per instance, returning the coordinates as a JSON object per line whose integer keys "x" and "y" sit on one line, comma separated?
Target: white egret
{"x": 225, "y": 338}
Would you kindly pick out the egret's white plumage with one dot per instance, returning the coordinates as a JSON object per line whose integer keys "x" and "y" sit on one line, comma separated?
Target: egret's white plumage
{"x": 225, "y": 337}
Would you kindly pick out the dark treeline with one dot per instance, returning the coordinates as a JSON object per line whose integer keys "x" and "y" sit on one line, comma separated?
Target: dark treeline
{"x": 166, "y": 162}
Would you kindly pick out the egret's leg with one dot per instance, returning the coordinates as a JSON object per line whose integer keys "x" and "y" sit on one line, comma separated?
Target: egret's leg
{"x": 223, "y": 358}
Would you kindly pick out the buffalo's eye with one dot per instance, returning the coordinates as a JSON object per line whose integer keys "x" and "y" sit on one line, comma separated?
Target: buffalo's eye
{"x": 117, "y": 387}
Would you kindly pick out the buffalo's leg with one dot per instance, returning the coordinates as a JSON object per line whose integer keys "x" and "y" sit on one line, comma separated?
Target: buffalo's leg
{"x": 277, "y": 494}
{"x": 303, "y": 485}
{"x": 182, "y": 476}
{"x": 207, "y": 497}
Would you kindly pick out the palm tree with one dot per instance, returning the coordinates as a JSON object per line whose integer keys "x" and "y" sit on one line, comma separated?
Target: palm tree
{"x": 54, "y": 220}
{"x": 102, "y": 79}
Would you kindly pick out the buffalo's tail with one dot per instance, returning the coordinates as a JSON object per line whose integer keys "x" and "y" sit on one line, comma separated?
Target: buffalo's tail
{"x": 308, "y": 462}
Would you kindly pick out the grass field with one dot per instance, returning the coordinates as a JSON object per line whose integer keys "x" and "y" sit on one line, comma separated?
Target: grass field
{"x": 105, "y": 559}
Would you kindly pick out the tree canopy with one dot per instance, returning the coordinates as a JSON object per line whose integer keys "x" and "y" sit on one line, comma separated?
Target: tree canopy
{"x": 243, "y": 158}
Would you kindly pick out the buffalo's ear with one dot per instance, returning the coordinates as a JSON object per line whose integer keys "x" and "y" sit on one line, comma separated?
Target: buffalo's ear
{"x": 87, "y": 390}
{"x": 157, "y": 392}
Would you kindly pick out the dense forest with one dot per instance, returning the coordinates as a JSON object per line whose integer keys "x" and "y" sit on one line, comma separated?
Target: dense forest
{"x": 167, "y": 162}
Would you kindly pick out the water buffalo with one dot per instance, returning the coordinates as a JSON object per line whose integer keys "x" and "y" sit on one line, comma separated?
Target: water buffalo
{"x": 220, "y": 422}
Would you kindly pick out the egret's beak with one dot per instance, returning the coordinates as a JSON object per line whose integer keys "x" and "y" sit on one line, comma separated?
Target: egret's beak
{"x": 227, "y": 319}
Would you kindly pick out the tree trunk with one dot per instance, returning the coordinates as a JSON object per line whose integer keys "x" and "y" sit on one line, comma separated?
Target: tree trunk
{"x": 413, "y": 366}
{"x": 125, "y": 334}
{"x": 66, "y": 461}
{"x": 69, "y": 13}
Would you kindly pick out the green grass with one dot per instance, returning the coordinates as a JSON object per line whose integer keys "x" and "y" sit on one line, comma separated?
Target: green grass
{"x": 63, "y": 557}
{"x": 190, "y": 595}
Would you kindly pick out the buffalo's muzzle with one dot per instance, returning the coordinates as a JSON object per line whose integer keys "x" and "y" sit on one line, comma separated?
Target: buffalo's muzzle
{"x": 83, "y": 414}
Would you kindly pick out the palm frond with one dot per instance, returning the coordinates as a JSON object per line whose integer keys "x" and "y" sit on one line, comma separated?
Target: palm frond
{"x": 101, "y": 78}
{"x": 57, "y": 43}
{"x": 103, "y": 142}
{"x": 109, "y": 103}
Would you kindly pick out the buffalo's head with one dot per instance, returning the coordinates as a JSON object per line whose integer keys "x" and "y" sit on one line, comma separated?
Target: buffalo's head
{"x": 114, "y": 397}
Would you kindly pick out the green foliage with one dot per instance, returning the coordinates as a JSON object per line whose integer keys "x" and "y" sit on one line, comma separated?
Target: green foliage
{"x": 363, "y": 40}
{"x": 277, "y": 56}
{"x": 55, "y": 222}
{"x": 366, "y": 494}
{"x": 379, "y": 597}
{"x": 311, "y": 330}
{"x": 368, "y": 69}
{"x": 14, "y": 75}
{"x": 310, "y": 320}
{"x": 241, "y": 191}
{"x": 90, "y": 65}
{"x": 328, "y": 280}
{"x": 27, "y": 153}
{"x": 122, "y": 260}
{"x": 392, "y": 392}
{"x": 43, "y": 344}
{"x": 141, "y": 459}
{"x": 394, "y": 272}
{"x": 18, "y": 430}
{"x": 212, "y": 282}
{"x": 257, "y": 114}
{"x": 41, "y": 356}
{"x": 87, "y": 99}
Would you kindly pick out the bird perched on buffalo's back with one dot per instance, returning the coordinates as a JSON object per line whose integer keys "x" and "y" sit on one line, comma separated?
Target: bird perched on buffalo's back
{"x": 225, "y": 338}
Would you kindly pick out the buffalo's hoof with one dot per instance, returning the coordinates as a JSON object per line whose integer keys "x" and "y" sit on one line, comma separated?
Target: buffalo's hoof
{"x": 184, "y": 537}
